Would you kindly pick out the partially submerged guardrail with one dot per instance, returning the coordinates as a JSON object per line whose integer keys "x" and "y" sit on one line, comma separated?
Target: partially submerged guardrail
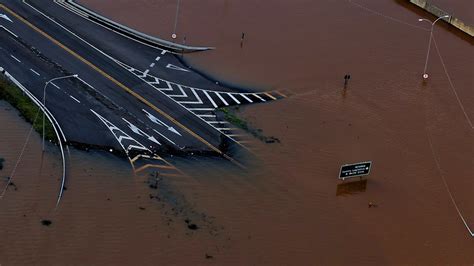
{"x": 134, "y": 34}
{"x": 438, "y": 12}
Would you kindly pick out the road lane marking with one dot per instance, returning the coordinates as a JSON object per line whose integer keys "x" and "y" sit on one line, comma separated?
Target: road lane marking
{"x": 163, "y": 136}
{"x": 281, "y": 94}
{"x": 5, "y": 17}
{"x": 163, "y": 52}
{"x": 201, "y": 109}
{"x": 140, "y": 132}
{"x": 171, "y": 66}
{"x": 56, "y": 86}
{"x": 246, "y": 98}
{"x": 152, "y": 65}
{"x": 183, "y": 94}
{"x": 9, "y": 31}
{"x": 258, "y": 96}
{"x": 233, "y": 98}
{"x": 146, "y": 72}
{"x": 210, "y": 99}
{"x": 122, "y": 86}
{"x": 74, "y": 99}
{"x": 270, "y": 96}
{"x": 157, "y": 58}
{"x": 16, "y": 59}
{"x": 35, "y": 72}
{"x": 222, "y": 99}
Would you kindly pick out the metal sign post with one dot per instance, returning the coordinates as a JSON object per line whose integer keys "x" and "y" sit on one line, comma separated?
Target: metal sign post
{"x": 354, "y": 170}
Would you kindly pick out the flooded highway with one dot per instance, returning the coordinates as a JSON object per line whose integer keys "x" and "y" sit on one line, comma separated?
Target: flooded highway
{"x": 289, "y": 208}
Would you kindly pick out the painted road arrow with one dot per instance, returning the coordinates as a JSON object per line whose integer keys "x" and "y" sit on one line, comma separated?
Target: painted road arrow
{"x": 171, "y": 66}
{"x": 159, "y": 122}
{"x": 5, "y": 17}
{"x": 140, "y": 132}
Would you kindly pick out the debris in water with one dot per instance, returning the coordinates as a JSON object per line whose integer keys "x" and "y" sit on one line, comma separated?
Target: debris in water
{"x": 46, "y": 222}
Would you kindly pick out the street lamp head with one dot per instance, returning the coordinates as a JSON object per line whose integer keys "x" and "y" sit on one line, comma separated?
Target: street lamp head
{"x": 446, "y": 16}
{"x": 420, "y": 19}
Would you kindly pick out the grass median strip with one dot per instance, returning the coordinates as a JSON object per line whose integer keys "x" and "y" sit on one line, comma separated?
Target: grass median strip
{"x": 28, "y": 110}
{"x": 230, "y": 114}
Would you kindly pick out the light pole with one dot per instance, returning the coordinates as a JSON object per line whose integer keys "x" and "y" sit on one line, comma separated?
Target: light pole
{"x": 44, "y": 96}
{"x": 175, "y": 21}
{"x": 425, "y": 75}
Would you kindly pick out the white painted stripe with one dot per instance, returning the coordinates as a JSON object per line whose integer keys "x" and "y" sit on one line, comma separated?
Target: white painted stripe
{"x": 217, "y": 122}
{"x": 16, "y": 59}
{"x": 57, "y": 87}
{"x": 164, "y": 137}
{"x": 35, "y": 72}
{"x": 9, "y": 31}
{"x": 152, "y": 65}
{"x": 157, "y": 58}
{"x": 206, "y": 115}
{"x": 74, "y": 99}
{"x": 226, "y": 128}
{"x": 163, "y": 52}
{"x": 233, "y": 98}
{"x": 210, "y": 99}
{"x": 258, "y": 96}
{"x": 222, "y": 99}
{"x": 246, "y": 98}
{"x": 146, "y": 72}
{"x": 201, "y": 109}
{"x": 183, "y": 94}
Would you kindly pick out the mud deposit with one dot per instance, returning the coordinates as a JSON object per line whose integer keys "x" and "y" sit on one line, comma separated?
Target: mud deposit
{"x": 289, "y": 209}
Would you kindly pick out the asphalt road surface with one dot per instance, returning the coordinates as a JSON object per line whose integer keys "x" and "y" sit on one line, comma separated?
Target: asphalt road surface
{"x": 129, "y": 97}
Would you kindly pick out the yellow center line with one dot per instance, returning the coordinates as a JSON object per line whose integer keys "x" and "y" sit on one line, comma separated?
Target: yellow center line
{"x": 103, "y": 73}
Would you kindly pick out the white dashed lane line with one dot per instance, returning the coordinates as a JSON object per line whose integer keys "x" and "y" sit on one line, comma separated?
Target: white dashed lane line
{"x": 157, "y": 58}
{"x": 152, "y": 65}
{"x": 36, "y": 73}
{"x": 16, "y": 59}
{"x": 74, "y": 99}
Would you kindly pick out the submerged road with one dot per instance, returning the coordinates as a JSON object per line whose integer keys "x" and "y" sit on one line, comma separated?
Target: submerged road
{"x": 129, "y": 96}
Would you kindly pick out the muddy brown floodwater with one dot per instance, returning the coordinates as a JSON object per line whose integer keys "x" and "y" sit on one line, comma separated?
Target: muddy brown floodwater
{"x": 288, "y": 211}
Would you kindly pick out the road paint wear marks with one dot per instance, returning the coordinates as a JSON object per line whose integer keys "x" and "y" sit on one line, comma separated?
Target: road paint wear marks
{"x": 16, "y": 59}
{"x": 36, "y": 73}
